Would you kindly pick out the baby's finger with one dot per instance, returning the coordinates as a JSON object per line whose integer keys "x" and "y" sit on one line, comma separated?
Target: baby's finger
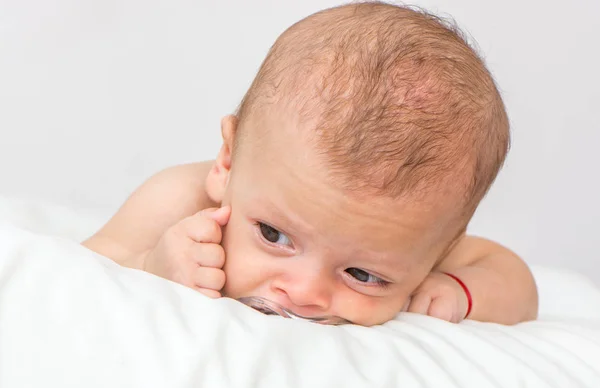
{"x": 211, "y": 278}
{"x": 220, "y": 215}
{"x": 208, "y": 292}
{"x": 442, "y": 308}
{"x": 208, "y": 255}
{"x": 201, "y": 229}
{"x": 419, "y": 303}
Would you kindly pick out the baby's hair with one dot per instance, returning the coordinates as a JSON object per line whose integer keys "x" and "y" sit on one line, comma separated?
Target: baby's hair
{"x": 401, "y": 105}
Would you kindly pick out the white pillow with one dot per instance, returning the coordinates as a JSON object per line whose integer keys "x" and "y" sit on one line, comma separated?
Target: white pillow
{"x": 71, "y": 318}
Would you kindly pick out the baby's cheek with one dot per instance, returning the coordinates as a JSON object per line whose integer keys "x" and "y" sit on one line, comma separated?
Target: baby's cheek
{"x": 368, "y": 310}
{"x": 242, "y": 270}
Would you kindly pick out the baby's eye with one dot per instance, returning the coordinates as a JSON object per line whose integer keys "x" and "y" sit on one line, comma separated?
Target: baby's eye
{"x": 273, "y": 235}
{"x": 364, "y": 276}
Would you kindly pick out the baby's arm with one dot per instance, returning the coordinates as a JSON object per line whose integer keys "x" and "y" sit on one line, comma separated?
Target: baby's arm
{"x": 502, "y": 287}
{"x": 162, "y": 201}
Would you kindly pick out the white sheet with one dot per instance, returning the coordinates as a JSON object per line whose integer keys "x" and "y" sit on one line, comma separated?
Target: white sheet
{"x": 71, "y": 318}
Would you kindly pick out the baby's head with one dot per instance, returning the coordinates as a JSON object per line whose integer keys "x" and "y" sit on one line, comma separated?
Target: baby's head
{"x": 356, "y": 160}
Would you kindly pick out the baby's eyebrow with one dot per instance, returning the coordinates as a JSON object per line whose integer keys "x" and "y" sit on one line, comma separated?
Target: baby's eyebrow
{"x": 279, "y": 217}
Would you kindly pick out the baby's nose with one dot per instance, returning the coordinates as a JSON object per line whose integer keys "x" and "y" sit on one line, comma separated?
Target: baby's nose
{"x": 311, "y": 291}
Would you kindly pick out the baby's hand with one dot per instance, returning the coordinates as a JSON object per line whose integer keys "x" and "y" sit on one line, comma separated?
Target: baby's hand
{"x": 440, "y": 296}
{"x": 190, "y": 252}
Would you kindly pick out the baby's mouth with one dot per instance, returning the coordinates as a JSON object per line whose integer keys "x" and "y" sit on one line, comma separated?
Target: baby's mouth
{"x": 269, "y": 307}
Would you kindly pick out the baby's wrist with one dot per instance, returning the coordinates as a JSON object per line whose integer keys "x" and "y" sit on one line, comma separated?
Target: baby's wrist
{"x": 466, "y": 291}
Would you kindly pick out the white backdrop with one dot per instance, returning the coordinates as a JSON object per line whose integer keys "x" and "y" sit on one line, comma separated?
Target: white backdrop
{"x": 96, "y": 96}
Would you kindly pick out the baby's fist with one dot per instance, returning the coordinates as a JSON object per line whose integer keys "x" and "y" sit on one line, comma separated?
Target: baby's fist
{"x": 190, "y": 253}
{"x": 441, "y": 297}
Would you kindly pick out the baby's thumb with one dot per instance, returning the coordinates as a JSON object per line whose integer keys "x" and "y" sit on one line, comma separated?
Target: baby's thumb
{"x": 221, "y": 215}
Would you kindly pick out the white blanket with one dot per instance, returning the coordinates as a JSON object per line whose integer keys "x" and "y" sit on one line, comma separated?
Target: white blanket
{"x": 71, "y": 318}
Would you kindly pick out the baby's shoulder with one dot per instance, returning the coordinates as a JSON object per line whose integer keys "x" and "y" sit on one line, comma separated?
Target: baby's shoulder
{"x": 191, "y": 173}
{"x": 185, "y": 185}
{"x": 171, "y": 194}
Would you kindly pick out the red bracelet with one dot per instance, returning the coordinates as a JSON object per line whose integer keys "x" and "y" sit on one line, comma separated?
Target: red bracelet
{"x": 467, "y": 292}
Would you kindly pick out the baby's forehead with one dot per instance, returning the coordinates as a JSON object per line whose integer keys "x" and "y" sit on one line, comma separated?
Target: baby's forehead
{"x": 361, "y": 163}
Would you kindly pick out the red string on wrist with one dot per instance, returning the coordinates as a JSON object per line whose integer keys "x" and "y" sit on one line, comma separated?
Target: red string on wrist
{"x": 467, "y": 292}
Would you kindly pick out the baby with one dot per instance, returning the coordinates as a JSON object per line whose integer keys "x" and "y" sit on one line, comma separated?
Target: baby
{"x": 345, "y": 181}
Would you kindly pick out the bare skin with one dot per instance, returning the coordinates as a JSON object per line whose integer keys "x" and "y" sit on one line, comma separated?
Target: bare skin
{"x": 284, "y": 233}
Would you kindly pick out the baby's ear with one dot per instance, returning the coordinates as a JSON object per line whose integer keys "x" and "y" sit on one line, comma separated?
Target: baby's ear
{"x": 218, "y": 176}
